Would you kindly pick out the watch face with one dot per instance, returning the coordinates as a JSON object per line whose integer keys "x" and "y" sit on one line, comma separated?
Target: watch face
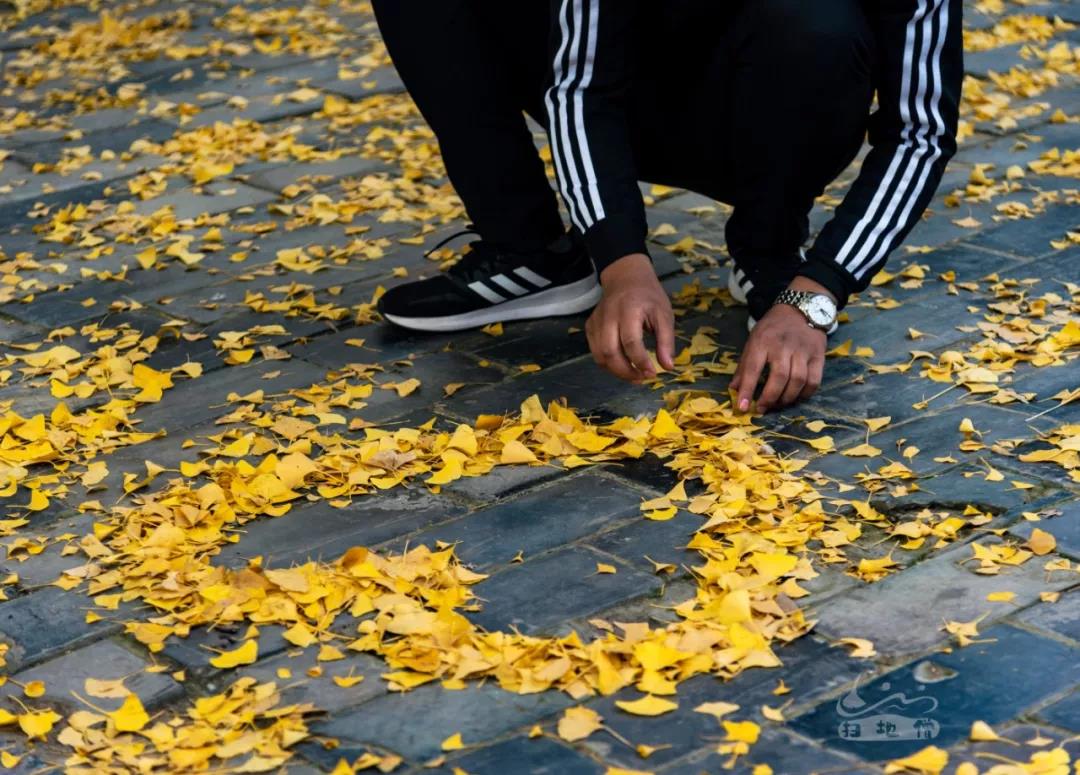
{"x": 820, "y": 310}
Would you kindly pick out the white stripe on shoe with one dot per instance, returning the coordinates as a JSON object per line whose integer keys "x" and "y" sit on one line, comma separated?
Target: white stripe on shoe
{"x": 508, "y": 284}
{"x": 532, "y": 277}
{"x": 482, "y": 290}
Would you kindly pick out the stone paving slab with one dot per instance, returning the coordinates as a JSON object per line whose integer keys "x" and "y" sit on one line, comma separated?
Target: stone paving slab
{"x": 992, "y": 681}
{"x": 890, "y": 613}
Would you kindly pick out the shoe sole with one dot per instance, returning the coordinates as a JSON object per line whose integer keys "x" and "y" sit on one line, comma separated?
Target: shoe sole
{"x": 734, "y": 288}
{"x": 563, "y": 300}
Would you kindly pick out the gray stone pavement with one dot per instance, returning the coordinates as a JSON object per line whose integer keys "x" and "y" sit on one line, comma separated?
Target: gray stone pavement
{"x": 74, "y": 135}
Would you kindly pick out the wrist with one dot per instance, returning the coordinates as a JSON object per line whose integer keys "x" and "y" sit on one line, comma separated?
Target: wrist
{"x": 800, "y": 283}
{"x": 628, "y": 268}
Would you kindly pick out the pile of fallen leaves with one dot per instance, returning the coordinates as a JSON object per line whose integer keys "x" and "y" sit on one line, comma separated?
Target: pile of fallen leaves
{"x": 69, "y": 442}
{"x": 1016, "y": 328}
{"x": 246, "y": 728}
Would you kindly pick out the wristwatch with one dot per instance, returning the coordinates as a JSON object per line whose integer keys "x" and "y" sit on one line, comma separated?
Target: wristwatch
{"x": 819, "y": 309}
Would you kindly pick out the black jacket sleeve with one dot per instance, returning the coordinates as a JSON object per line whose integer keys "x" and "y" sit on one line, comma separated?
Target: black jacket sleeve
{"x": 590, "y": 142}
{"x": 912, "y": 136}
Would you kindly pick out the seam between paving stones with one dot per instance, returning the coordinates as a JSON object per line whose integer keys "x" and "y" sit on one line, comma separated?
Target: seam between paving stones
{"x": 1014, "y": 620}
{"x": 521, "y": 731}
{"x": 1033, "y": 711}
{"x": 1069, "y": 486}
{"x": 675, "y": 765}
{"x": 477, "y": 506}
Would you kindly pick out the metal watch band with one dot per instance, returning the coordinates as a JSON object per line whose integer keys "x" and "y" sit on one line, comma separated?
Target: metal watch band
{"x": 794, "y": 298}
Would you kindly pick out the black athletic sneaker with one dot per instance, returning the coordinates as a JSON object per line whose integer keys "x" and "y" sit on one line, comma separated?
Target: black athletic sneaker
{"x": 491, "y": 284}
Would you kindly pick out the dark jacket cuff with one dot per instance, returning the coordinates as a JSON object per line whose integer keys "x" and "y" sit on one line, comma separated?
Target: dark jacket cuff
{"x": 615, "y": 236}
{"x": 840, "y": 283}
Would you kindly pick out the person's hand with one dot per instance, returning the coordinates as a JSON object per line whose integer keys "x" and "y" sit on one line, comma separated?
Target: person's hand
{"x": 793, "y": 350}
{"x": 633, "y": 302}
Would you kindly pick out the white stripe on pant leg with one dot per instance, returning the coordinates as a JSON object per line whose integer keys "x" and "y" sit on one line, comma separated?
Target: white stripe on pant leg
{"x": 572, "y": 187}
{"x": 916, "y": 193}
{"x": 508, "y": 284}
{"x": 886, "y": 182}
{"x": 915, "y": 163}
{"x": 588, "y": 171}
{"x": 553, "y": 118}
{"x": 529, "y": 275}
{"x": 929, "y": 149}
{"x": 486, "y": 292}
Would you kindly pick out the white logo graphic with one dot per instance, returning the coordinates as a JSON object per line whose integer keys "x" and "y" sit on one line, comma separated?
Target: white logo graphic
{"x": 893, "y": 717}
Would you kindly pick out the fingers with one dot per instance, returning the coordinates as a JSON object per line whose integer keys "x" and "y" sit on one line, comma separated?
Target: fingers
{"x": 815, "y": 371}
{"x": 751, "y": 364}
{"x": 607, "y": 349}
{"x": 796, "y": 380}
{"x": 779, "y": 371}
{"x": 631, "y": 337}
{"x": 663, "y": 326}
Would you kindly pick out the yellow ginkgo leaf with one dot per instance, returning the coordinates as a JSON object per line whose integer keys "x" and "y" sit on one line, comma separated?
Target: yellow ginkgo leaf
{"x": 822, "y": 443}
{"x": 37, "y": 724}
{"x": 877, "y": 423}
{"x": 1040, "y": 542}
{"x": 861, "y": 648}
{"x": 453, "y": 743}
{"x": 862, "y": 450}
{"x": 577, "y": 723}
{"x": 742, "y": 731}
{"x": 38, "y": 501}
{"x": 347, "y": 681}
{"x": 772, "y": 714}
{"x": 130, "y": 716}
{"x": 981, "y": 732}
{"x": 246, "y": 654}
{"x": 929, "y": 761}
{"x": 648, "y": 705}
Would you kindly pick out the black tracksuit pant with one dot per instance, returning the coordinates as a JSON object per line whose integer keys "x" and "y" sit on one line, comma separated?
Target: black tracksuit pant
{"x": 723, "y": 100}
